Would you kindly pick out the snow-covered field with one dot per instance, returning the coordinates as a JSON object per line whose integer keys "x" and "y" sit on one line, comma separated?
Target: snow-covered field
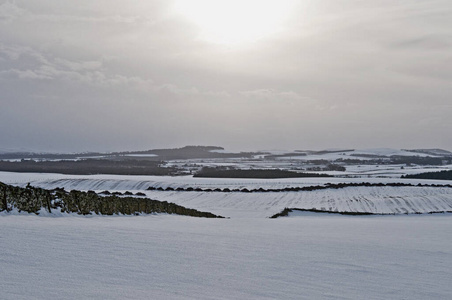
{"x": 375, "y": 199}
{"x": 131, "y": 182}
{"x": 249, "y": 256}
{"x": 173, "y": 257}
{"x": 380, "y": 200}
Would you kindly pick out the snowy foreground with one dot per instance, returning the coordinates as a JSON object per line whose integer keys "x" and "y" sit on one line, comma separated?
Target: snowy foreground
{"x": 305, "y": 256}
{"x": 249, "y": 256}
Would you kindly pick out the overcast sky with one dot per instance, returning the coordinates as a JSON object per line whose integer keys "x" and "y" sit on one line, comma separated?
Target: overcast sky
{"x": 246, "y": 75}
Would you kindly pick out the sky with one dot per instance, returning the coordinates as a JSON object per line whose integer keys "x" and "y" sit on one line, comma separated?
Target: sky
{"x": 116, "y": 75}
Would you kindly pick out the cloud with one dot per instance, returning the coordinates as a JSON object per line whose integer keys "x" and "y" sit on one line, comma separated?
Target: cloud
{"x": 79, "y": 66}
{"x": 92, "y": 73}
{"x": 9, "y": 11}
{"x": 339, "y": 73}
{"x": 275, "y": 95}
{"x": 25, "y": 74}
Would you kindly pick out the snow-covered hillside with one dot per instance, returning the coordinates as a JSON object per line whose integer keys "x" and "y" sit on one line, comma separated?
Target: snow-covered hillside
{"x": 380, "y": 200}
{"x": 372, "y": 199}
{"x": 303, "y": 256}
{"x": 124, "y": 182}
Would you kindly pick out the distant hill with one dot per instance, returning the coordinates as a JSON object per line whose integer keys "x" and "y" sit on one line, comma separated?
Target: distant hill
{"x": 187, "y": 152}
{"x": 191, "y": 152}
{"x": 438, "y": 152}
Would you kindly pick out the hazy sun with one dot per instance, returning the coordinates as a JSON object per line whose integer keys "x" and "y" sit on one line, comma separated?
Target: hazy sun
{"x": 235, "y": 21}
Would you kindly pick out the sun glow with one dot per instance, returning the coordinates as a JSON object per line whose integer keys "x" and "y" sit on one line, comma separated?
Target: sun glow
{"x": 235, "y": 21}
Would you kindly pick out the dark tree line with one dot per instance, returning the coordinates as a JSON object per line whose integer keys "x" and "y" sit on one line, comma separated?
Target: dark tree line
{"x": 296, "y": 189}
{"x": 253, "y": 173}
{"x": 442, "y": 175}
{"x": 89, "y": 166}
{"x": 418, "y": 160}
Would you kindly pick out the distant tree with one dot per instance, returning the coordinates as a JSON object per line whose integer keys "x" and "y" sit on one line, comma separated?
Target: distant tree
{"x": 333, "y": 167}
